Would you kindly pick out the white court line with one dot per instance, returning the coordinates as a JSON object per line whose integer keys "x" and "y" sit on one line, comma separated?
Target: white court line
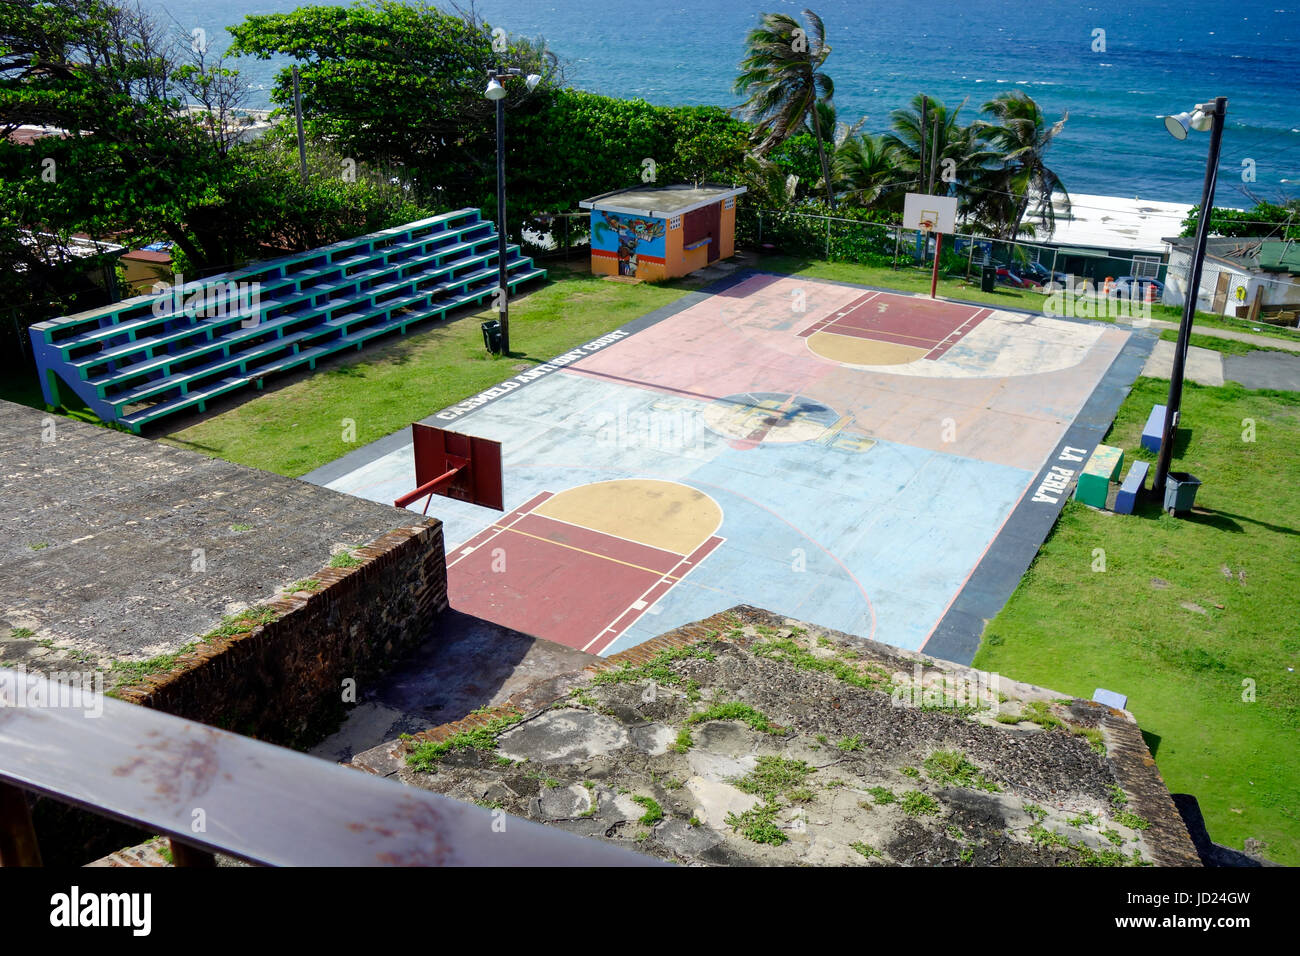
{"x": 642, "y": 599}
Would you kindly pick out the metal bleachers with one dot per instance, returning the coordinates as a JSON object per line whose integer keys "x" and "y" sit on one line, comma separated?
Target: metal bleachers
{"x": 142, "y": 359}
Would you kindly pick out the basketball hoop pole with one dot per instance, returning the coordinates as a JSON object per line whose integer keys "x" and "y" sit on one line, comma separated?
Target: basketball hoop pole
{"x": 430, "y": 488}
{"x": 934, "y": 273}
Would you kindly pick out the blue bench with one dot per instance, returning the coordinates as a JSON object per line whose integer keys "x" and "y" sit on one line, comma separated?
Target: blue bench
{"x": 1154, "y": 430}
{"x": 1133, "y": 483}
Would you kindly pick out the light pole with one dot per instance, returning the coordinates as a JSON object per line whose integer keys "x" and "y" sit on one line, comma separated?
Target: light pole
{"x": 1205, "y": 116}
{"x": 496, "y": 91}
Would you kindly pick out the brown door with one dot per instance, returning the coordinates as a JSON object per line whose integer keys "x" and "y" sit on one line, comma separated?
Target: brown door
{"x": 703, "y": 223}
{"x": 715, "y": 228}
{"x": 1221, "y": 293}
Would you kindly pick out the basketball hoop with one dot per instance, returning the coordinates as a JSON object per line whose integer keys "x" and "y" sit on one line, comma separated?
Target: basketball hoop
{"x": 927, "y": 225}
{"x": 461, "y": 467}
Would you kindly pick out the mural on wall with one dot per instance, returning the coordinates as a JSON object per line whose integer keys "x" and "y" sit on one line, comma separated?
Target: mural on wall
{"x": 628, "y": 238}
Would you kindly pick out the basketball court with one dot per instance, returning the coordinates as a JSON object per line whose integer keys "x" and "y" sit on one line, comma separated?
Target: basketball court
{"x": 841, "y": 455}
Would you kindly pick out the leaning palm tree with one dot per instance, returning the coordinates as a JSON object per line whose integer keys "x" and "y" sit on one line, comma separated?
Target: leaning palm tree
{"x": 1020, "y": 135}
{"x": 782, "y": 81}
{"x": 868, "y": 171}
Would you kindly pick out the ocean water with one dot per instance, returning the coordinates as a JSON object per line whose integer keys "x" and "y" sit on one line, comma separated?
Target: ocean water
{"x": 1159, "y": 56}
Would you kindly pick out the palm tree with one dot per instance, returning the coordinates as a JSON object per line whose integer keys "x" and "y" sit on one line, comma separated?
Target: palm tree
{"x": 828, "y": 119}
{"x": 868, "y": 171}
{"x": 1020, "y": 136}
{"x": 782, "y": 81}
{"x": 954, "y": 143}
{"x": 768, "y": 184}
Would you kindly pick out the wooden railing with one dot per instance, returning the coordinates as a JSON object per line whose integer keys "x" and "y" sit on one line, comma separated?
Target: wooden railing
{"x": 210, "y": 791}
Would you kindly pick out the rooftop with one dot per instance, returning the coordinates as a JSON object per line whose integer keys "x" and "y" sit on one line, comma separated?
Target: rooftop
{"x": 1115, "y": 222}
{"x": 1247, "y": 253}
{"x": 660, "y": 201}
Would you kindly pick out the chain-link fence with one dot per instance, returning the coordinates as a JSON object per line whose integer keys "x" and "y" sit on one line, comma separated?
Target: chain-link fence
{"x": 1236, "y": 293}
{"x": 843, "y": 239}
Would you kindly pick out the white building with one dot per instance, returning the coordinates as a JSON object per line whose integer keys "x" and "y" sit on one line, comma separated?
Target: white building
{"x": 1239, "y": 276}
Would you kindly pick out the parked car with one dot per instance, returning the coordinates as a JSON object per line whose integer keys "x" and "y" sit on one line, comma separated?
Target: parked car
{"x": 1132, "y": 287}
{"x": 1007, "y": 277}
{"x": 1043, "y": 275}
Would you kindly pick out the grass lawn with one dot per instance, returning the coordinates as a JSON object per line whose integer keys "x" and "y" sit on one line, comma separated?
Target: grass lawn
{"x": 1187, "y": 611}
{"x": 299, "y": 427}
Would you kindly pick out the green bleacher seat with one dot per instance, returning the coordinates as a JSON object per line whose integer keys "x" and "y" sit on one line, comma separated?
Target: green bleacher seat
{"x": 309, "y": 305}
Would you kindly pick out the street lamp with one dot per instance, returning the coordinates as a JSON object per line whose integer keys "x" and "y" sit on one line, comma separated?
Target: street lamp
{"x": 496, "y": 91}
{"x": 1205, "y": 116}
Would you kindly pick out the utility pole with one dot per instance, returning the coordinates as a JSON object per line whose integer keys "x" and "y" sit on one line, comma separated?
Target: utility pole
{"x": 934, "y": 160}
{"x": 297, "y": 112}
{"x": 922, "y": 157}
{"x": 503, "y": 289}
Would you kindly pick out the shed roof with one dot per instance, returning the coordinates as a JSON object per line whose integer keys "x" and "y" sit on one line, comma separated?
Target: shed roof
{"x": 1280, "y": 256}
{"x": 660, "y": 202}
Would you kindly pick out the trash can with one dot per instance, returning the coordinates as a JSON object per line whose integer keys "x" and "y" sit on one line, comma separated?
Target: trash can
{"x": 988, "y": 278}
{"x": 1180, "y": 491}
{"x": 492, "y": 336}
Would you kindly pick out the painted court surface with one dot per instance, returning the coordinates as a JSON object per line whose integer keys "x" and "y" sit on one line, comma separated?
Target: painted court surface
{"x": 838, "y": 455}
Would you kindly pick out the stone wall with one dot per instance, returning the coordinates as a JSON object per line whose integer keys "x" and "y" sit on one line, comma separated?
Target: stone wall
{"x": 284, "y": 681}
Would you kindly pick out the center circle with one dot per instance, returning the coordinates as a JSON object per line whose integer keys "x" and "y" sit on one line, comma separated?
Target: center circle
{"x": 753, "y": 418}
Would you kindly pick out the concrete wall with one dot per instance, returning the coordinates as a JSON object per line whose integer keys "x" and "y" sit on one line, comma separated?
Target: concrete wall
{"x": 284, "y": 681}
{"x": 646, "y": 238}
{"x": 727, "y": 231}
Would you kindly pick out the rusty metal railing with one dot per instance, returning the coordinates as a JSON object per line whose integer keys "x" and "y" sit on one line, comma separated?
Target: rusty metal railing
{"x": 210, "y": 791}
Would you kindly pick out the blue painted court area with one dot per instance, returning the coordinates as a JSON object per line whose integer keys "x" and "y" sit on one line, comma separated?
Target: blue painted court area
{"x": 872, "y": 538}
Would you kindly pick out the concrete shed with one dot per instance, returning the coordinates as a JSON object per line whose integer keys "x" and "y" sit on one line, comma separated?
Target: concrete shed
{"x": 659, "y": 232}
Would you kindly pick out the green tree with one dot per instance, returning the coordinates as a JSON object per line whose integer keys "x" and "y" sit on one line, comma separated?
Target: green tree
{"x": 956, "y": 152}
{"x": 708, "y": 144}
{"x": 770, "y": 186}
{"x": 1266, "y": 219}
{"x": 782, "y": 81}
{"x": 1020, "y": 136}
{"x": 130, "y": 160}
{"x": 401, "y": 85}
{"x": 867, "y": 172}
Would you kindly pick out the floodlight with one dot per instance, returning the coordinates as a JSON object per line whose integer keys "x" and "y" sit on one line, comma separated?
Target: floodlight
{"x": 1178, "y": 125}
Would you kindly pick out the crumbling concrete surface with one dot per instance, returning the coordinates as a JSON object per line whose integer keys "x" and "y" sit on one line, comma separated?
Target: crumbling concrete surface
{"x": 752, "y": 739}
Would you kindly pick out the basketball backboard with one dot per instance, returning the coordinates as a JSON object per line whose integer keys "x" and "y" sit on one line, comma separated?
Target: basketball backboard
{"x": 462, "y": 467}
{"x": 930, "y": 213}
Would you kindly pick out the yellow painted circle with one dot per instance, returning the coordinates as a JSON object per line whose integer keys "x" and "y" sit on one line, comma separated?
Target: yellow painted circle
{"x": 661, "y": 514}
{"x": 855, "y": 350}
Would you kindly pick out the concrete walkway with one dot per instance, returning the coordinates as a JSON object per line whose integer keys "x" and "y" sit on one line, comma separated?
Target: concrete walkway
{"x": 1275, "y": 370}
{"x": 1204, "y": 366}
{"x": 1263, "y": 341}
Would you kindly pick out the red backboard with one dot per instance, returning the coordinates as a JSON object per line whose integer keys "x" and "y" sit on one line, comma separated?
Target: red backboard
{"x": 462, "y": 467}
